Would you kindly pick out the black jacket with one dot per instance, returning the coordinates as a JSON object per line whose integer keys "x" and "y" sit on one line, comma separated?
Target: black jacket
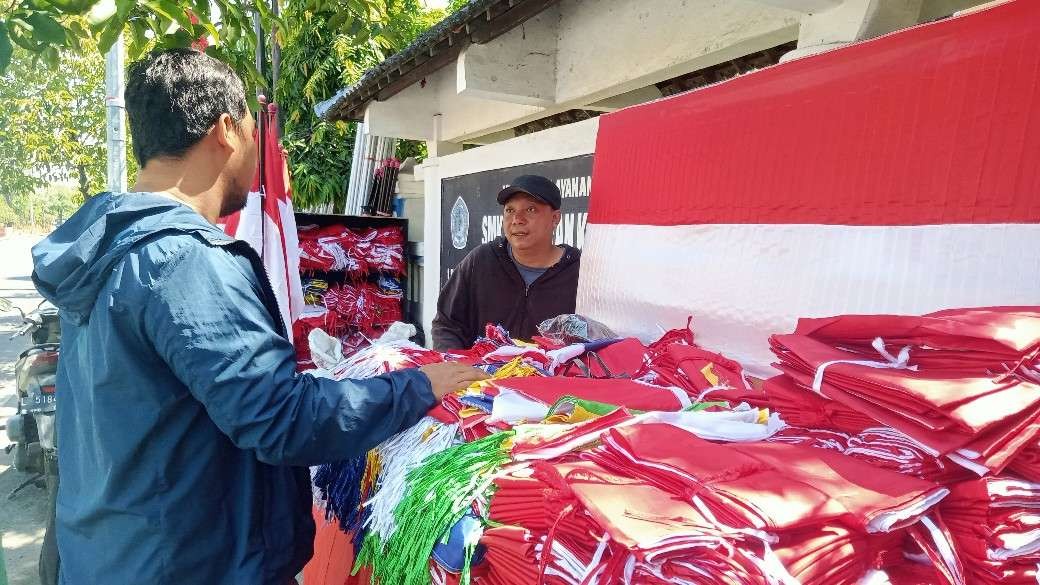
{"x": 487, "y": 288}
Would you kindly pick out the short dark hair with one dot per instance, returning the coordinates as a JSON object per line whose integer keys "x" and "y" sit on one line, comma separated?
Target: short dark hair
{"x": 173, "y": 97}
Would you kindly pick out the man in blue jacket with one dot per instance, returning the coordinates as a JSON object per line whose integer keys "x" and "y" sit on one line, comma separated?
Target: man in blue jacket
{"x": 184, "y": 430}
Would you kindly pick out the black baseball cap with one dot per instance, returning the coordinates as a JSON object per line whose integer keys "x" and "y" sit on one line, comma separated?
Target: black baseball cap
{"x": 535, "y": 186}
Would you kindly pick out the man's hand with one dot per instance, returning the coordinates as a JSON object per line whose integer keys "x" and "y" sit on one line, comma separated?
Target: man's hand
{"x": 448, "y": 377}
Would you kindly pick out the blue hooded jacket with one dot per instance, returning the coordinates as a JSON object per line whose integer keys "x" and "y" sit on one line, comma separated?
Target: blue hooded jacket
{"x": 184, "y": 431}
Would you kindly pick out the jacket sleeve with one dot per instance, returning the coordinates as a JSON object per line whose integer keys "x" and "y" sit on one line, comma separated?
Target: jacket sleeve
{"x": 204, "y": 316}
{"x": 452, "y": 327}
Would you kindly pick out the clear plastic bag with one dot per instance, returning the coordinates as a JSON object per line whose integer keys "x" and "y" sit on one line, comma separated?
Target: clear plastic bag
{"x": 568, "y": 329}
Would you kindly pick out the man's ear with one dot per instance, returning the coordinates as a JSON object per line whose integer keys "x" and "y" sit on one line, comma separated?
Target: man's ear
{"x": 225, "y": 131}
{"x": 557, "y": 214}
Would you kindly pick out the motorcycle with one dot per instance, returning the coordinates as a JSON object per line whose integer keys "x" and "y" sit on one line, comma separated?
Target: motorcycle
{"x": 32, "y": 430}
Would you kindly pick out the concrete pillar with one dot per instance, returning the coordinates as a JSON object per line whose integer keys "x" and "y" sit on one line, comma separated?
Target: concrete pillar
{"x": 437, "y": 146}
{"x": 829, "y": 26}
{"x": 431, "y": 244}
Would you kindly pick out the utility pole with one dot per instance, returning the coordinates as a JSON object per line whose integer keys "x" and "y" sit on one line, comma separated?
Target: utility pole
{"x": 261, "y": 53}
{"x": 276, "y": 56}
{"x": 115, "y": 125}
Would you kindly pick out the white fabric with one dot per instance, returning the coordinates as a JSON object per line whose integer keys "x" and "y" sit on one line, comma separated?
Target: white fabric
{"x": 326, "y": 350}
{"x": 1016, "y": 545}
{"x": 743, "y": 283}
{"x": 945, "y": 548}
{"x": 885, "y": 521}
{"x": 512, "y": 407}
{"x": 733, "y": 426}
{"x": 400, "y": 454}
{"x": 265, "y": 235}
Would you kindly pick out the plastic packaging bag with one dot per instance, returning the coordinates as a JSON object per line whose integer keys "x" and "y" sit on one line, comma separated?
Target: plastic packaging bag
{"x": 568, "y": 329}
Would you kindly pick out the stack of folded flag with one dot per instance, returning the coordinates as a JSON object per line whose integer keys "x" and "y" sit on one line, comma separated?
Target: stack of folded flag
{"x": 602, "y": 461}
{"x": 959, "y": 383}
{"x": 995, "y": 523}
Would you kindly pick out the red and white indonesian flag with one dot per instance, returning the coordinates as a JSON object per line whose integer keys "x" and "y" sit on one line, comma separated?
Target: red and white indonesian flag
{"x": 268, "y": 223}
{"x": 898, "y": 175}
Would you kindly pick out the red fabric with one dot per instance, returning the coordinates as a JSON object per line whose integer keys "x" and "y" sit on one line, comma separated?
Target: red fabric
{"x": 695, "y": 370}
{"x": 801, "y": 407}
{"x": 981, "y": 513}
{"x": 982, "y": 338}
{"x": 573, "y": 505}
{"x": 1027, "y": 462}
{"x": 620, "y": 392}
{"x": 621, "y": 359}
{"x": 269, "y": 224}
{"x": 942, "y": 408}
{"x": 769, "y": 484}
{"x": 866, "y": 161}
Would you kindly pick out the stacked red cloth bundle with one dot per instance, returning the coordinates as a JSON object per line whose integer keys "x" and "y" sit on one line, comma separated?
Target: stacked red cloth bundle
{"x": 819, "y": 438}
{"x": 383, "y": 249}
{"x": 541, "y": 512}
{"x": 363, "y": 306}
{"x": 951, "y": 393}
{"x": 656, "y": 504}
{"x": 331, "y": 249}
{"x": 995, "y": 523}
{"x": 807, "y": 409}
{"x": 882, "y": 447}
{"x": 337, "y": 248}
{"x": 982, "y": 339}
{"x": 889, "y": 449}
{"x": 1027, "y": 462}
{"x": 697, "y": 371}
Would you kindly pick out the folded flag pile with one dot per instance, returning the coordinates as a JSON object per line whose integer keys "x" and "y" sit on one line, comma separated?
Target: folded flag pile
{"x": 613, "y": 461}
{"x": 961, "y": 384}
{"x": 995, "y": 523}
{"x": 337, "y": 248}
{"x": 355, "y": 290}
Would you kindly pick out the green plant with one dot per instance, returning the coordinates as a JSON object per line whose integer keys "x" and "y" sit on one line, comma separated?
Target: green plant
{"x": 325, "y": 50}
{"x": 54, "y": 126}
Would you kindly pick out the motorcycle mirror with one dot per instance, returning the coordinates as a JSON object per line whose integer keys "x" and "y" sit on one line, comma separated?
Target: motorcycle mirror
{"x": 5, "y": 305}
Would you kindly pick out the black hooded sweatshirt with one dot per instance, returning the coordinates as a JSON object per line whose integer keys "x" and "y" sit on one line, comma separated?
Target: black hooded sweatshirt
{"x": 486, "y": 287}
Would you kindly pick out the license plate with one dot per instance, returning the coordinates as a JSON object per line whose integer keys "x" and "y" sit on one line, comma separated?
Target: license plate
{"x": 40, "y": 399}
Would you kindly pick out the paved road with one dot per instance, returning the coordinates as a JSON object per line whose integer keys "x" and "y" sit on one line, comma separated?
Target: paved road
{"x": 23, "y": 518}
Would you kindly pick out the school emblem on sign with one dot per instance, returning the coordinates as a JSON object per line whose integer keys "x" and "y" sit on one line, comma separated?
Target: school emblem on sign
{"x": 459, "y": 224}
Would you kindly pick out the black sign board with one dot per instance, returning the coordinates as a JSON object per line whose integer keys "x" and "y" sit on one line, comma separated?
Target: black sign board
{"x": 470, "y": 215}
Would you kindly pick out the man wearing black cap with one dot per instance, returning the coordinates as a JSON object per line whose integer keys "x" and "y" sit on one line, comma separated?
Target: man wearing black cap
{"x": 516, "y": 281}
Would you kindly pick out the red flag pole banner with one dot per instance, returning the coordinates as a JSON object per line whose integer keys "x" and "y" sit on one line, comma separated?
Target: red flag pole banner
{"x": 898, "y": 175}
{"x": 268, "y": 223}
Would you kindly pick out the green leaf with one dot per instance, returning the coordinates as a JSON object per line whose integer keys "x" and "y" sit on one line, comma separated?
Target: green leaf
{"x": 178, "y": 40}
{"x": 115, "y": 25}
{"x": 341, "y": 19}
{"x": 50, "y": 56}
{"x": 101, "y": 12}
{"x": 264, "y": 10}
{"x": 201, "y": 9}
{"x": 21, "y": 34}
{"x": 212, "y": 31}
{"x": 46, "y": 30}
{"x": 138, "y": 40}
{"x": 172, "y": 12}
{"x": 71, "y": 6}
{"x": 5, "y": 48}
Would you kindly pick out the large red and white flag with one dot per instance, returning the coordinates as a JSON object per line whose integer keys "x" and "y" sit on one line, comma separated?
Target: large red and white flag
{"x": 268, "y": 224}
{"x": 898, "y": 175}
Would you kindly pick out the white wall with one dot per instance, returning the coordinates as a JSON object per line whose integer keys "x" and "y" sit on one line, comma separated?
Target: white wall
{"x": 556, "y": 143}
